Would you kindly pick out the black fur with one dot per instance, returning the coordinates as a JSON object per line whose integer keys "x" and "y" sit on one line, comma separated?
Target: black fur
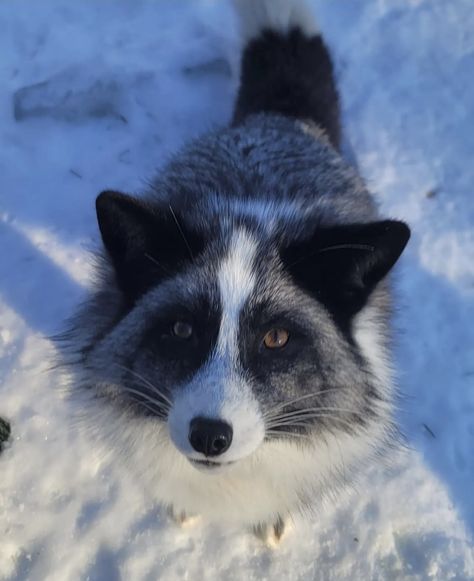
{"x": 5, "y": 432}
{"x": 145, "y": 242}
{"x": 289, "y": 74}
{"x": 310, "y": 251}
{"x": 342, "y": 265}
{"x": 181, "y": 358}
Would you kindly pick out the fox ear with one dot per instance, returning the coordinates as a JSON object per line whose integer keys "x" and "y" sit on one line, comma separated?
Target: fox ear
{"x": 145, "y": 244}
{"x": 342, "y": 265}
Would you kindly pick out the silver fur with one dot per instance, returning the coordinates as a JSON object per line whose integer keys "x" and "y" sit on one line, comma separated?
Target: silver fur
{"x": 246, "y": 189}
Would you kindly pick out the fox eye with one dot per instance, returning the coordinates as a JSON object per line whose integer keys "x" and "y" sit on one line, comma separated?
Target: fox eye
{"x": 182, "y": 329}
{"x": 276, "y": 338}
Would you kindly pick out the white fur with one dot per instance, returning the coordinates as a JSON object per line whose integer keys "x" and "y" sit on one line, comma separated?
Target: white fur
{"x": 270, "y": 478}
{"x": 268, "y": 212}
{"x": 218, "y": 391}
{"x": 371, "y": 342}
{"x": 274, "y": 480}
{"x": 236, "y": 281}
{"x": 279, "y": 15}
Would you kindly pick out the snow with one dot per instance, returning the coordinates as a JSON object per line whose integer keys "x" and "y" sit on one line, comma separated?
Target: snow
{"x": 125, "y": 84}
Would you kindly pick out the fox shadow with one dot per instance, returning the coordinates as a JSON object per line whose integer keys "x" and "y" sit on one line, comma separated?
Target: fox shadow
{"x": 433, "y": 357}
{"x": 33, "y": 286}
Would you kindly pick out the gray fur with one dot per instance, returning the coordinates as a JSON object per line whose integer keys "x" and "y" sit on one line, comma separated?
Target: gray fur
{"x": 270, "y": 181}
{"x": 290, "y": 179}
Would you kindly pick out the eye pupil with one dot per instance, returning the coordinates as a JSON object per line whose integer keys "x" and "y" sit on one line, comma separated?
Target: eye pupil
{"x": 276, "y": 338}
{"x": 182, "y": 330}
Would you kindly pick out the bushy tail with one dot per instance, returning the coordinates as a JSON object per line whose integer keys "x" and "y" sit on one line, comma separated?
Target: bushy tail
{"x": 286, "y": 67}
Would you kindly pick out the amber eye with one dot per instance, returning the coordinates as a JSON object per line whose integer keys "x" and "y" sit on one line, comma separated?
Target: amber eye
{"x": 182, "y": 330}
{"x": 276, "y": 338}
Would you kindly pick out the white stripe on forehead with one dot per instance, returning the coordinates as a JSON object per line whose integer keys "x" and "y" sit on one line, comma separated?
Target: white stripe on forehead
{"x": 236, "y": 282}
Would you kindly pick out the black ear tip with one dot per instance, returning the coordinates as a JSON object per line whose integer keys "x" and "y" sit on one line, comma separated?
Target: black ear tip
{"x": 106, "y": 199}
{"x": 397, "y": 231}
{"x": 102, "y": 202}
{"x": 110, "y": 205}
{"x": 403, "y": 231}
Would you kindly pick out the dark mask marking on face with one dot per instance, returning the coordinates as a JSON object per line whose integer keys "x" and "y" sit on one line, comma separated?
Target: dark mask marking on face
{"x": 179, "y": 357}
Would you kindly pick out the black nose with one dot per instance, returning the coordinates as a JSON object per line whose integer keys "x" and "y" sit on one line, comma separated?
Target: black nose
{"x": 210, "y": 437}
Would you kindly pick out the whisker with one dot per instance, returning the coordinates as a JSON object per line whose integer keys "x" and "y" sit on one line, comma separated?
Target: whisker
{"x": 275, "y": 433}
{"x": 365, "y": 247}
{"x": 181, "y": 232}
{"x": 154, "y": 412}
{"x": 300, "y": 398}
{"x": 307, "y": 411}
{"x": 146, "y": 382}
{"x": 306, "y": 425}
{"x": 156, "y": 263}
{"x": 146, "y": 396}
{"x": 162, "y": 401}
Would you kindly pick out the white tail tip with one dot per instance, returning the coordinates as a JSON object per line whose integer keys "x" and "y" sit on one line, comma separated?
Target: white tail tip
{"x": 278, "y": 15}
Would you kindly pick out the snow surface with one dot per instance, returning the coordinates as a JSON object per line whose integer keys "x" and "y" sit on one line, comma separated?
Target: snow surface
{"x": 96, "y": 95}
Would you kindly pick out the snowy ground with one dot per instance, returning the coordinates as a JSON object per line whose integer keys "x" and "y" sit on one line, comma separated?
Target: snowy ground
{"x": 125, "y": 83}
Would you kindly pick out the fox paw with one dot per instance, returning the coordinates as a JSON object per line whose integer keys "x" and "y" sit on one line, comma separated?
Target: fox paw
{"x": 271, "y": 534}
{"x": 181, "y": 517}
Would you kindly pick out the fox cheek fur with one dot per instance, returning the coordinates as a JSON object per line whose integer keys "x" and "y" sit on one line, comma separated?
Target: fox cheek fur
{"x": 236, "y": 348}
